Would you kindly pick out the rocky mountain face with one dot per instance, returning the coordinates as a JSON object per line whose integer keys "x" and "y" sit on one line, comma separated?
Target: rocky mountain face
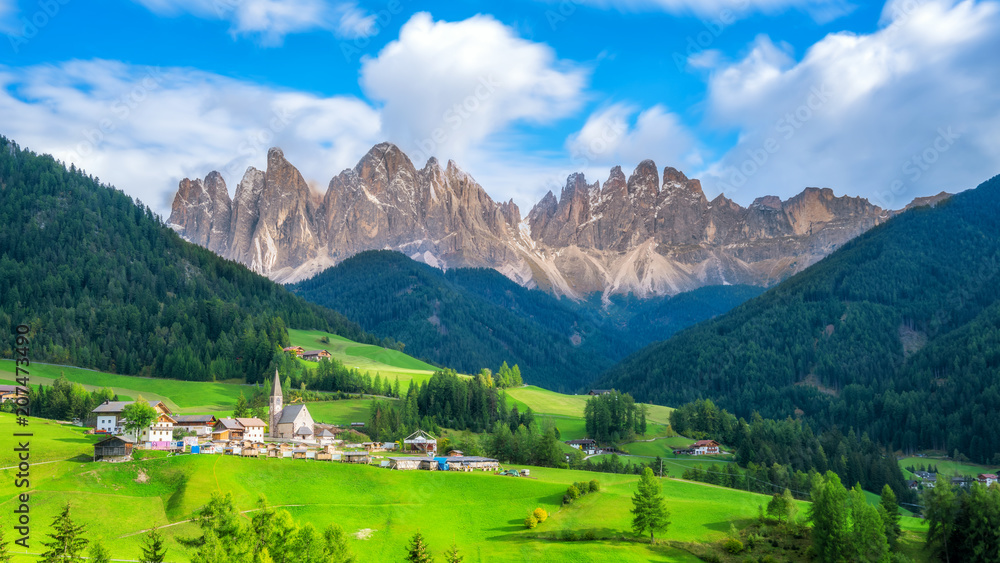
{"x": 648, "y": 234}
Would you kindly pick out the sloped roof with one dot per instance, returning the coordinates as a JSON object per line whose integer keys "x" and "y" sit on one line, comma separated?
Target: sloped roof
{"x": 276, "y": 385}
{"x": 251, "y": 422}
{"x": 304, "y": 431}
{"x": 123, "y": 438}
{"x": 194, "y": 418}
{"x": 231, "y": 423}
{"x": 324, "y": 433}
{"x": 289, "y": 413}
{"x": 419, "y": 437}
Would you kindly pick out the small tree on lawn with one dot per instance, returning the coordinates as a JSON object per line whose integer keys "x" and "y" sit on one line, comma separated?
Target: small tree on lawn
{"x": 5, "y": 555}
{"x": 649, "y": 513}
{"x": 67, "y": 543}
{"x": 137, "y": 416}
{"x": 153, "y": 550}
{"x": 335, "y": 547}
{"x": 782, "y": 506}
{"x": 417, "y": 552}
{"x": 452, "y": 555}
{"x": 98, "y": 553}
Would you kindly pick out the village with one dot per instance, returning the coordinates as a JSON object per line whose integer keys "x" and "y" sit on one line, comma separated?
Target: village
{"x": 290, "y": 432}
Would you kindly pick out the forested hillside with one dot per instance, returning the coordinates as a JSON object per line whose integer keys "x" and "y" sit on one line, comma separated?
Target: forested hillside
{"x": 897, "y": 334}
{"x": 104, "y": 284}
{"x": 468, "y": 318}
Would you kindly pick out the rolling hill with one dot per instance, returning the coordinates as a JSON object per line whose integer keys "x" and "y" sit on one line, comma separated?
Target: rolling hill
{"x": 897, "y": 334}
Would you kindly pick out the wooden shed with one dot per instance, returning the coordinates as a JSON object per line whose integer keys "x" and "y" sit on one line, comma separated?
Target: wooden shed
{"x": 356, "y": 457}
{"x": 115, "y": 448}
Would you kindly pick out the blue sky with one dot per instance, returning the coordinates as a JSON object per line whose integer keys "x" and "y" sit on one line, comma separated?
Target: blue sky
{"x": 754, "y": 97}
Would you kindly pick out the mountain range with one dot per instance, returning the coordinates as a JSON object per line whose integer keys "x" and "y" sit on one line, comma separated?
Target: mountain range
{"x": 649, "y": 234}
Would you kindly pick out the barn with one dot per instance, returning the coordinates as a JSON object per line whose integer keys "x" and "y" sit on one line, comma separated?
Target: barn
{"x": 114, "y": 448}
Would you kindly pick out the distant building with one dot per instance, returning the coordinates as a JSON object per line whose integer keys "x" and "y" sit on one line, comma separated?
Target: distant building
{"x": 600, "y": 391}
{"x": 927, "y": 479}
{"x": 11, "y": 392}
{"x": 243, "y": 429}
{"x": 114, "y": 448}
{"x": 420, "y": 441}
{"x": 587, "y": 445}
{"x": 291, "y": 422}
{"x": 987, "y": 478}
{"x": 200, "y": 424}
{"x": 705, "y": 447}
{"x": 297, "y": 350}
{"x": 108, "y": 418}
{"x": 315, "y": 355}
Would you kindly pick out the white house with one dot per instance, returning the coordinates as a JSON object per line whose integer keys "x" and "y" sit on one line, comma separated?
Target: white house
{"x": 108, "y": 418}
{"x": 705, "y": 447}
{"x": 587, "y": 445}
{"x": 253, "y": 428}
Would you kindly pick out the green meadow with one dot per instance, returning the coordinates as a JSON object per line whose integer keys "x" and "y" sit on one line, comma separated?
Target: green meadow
{"x": 482, "y": 513}
{"x": 946, "y": 467}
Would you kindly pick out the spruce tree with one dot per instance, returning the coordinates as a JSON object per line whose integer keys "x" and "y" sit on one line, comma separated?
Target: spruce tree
{"x": 649, "y": 513}
{"x": 829, "y": 515}
{"x": 153, "y": 550}
{"x": 5, "y": 555}
{"x": 242, "y": 409}
{"x": 67, "y": 543}
{"x": 417, "y": 551}
{"x": 452, "y": 555}
{"x": 335, "y": 548}
{"x": 889, "y": 510}
{"x": 98, "y": 553}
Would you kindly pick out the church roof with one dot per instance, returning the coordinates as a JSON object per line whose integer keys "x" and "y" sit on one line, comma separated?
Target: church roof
{"x": 276, "y": 386}
{"x": 304, "y": 431}
{"x": 289, "y": 413}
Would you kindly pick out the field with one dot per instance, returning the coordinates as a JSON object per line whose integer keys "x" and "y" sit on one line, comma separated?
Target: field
{"x": 946, "y": 467}
{"x": 365, "y": 357}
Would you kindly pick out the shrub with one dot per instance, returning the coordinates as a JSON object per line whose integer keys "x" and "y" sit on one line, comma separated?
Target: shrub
{"x": 582, "y": 488}
{"x": 530, "y": 522}
{"x": 733, "y": 546}
{"x": 590, "y": 535}
{"x": 568, "y": 535}
{"x": 573, "y": 493}
{"x": 540, "y": 515}
{"x": 594, "y": 485}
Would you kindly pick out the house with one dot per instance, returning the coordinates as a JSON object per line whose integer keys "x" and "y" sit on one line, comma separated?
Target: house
{"x": 288, "y": 422}
{"x": 200, "y": 424}
{"x": 410, "y": 463}
{"x": 315, "y": 355}
{"x": 108, "y": 418}
{"x": 11, "y": 392}
{"x": 325, "y": 437}
{"x": 600, "y": 391}
{"x": 420, "y": 441}
{"x": 913, "y": 485}
{"x": 297, "y": 350}
{"x": 705, "y": 447}
{"x": 963, "y": 482}
{"x": 248, "y": 429}
{"x": 114, "y": 448}
{"x": 987, "y": 478}
{"x": 927, "y": 478}
{"x": 586, "y": 445}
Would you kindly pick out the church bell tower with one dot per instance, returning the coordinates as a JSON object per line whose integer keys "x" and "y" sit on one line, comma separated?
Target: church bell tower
{"x": 274, "y": 410}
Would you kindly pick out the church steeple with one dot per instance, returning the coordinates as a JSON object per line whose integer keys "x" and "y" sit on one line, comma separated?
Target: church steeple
{"x": 275, "y": 407}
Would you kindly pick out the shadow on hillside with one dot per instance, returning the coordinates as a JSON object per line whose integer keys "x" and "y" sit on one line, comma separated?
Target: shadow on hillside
{"x": 81, "y": 458}
{"x": 719, "y": 526}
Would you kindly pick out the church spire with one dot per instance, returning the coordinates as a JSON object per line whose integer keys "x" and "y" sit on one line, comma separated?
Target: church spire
{"x": 276, "y": 387}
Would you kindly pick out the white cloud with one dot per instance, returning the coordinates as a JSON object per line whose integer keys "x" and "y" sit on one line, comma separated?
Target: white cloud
{"x": 445, "y": 87}
{"x": 725, "y": 10}
{"x": 143, "y": 129}
{"x": 272, "y": 20}
{"x": 908, "y": 110}
{"x": 621, "y": 134}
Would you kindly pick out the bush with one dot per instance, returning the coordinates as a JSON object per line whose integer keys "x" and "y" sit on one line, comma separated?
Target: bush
{"x": 594, "y": 485}
{"x": 568, "y": 535}
{"x": 572, "y": 493}
{"x": 530, "y": 522}
{"x": 540, "y": 515}
{"x": 582, "y": 488}
{"x": 590, "y": 535}
{"x": 733, "y": 546}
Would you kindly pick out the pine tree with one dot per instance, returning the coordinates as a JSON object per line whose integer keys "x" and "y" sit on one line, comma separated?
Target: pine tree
{"x": 97, "y": 553}
{"x": 829, "y": 516}
{"x": 153, "y": 550}
{"x": 67, "y": 543}
{"x": 417, "y": 552}
{"x": 868, "y": 538}
{"x": 649, "y": 512}
{"x": 335, "y": 548}
{"x": 890, "y": 514}
{"x": 5, "y": 556}
{"x": 941, "y": 511}
{"x": 452, "y": 555}
{"x": 242, "y": 409}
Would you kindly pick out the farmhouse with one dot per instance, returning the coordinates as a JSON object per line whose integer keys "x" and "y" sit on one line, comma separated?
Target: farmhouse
{"x": 420, "y": 441}
{"x": 987, "y": 478}
{"x": 600, "y": 391}
{"x": 200, "y": 424}
{"x": 109, "y": 419}
{"x": 297, "y": 350}
{"x": 928, "y": 479}
{"x": 587, "y": 445}
{"x": 291, "y": 422}
{"x": 315, "y": 355}
{"x": 248, "y": 429}
{"x": 114, "y": 448}
{"x": 705, "y": 447}
{"x": 10, "y": 392}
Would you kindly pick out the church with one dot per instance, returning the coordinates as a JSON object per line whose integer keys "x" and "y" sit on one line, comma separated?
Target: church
{"x": 291, "y": 422}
